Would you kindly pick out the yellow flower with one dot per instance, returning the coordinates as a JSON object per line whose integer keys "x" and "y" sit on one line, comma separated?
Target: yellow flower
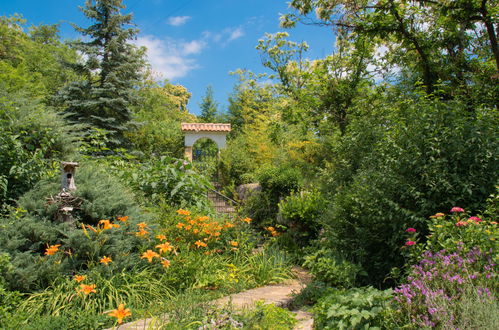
{"x": 195, "y": 231}
{"x": 161, "y": 237}
{"x": 87, "y": 289}
{"x": 165, "y": 263}
{"x": 123, "y": 219}
{"x": 165, "y": 247}
{"x": 52, "y": 249}
{"x": 149, "y": 255}
{"x": 79, "y": 278}
{"x": 200, "y": 244}
{"x": 120, "y": 313}
{"x": 233, "y": 243}
{"x": 105, "y": 260}
{"x": 438, "y": 215}
{"x": 439, "y": 226}
{"x": 183, "y": 212}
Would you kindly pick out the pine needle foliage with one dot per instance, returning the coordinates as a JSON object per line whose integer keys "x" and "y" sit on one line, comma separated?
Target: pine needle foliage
{"x": 111, "y": 67}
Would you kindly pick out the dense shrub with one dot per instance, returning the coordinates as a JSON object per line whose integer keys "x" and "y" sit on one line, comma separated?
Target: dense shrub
{"x": 330, "y": 269}
{"x": 424, "y": 155}
{"x": 170, "y": 180}
{"x": 300, "y": 214}
{"x": 34, "y": 226}
{"x": 32, "y": 139}
{"x": 277, "y": 182}
{"x": 359, "y": 308}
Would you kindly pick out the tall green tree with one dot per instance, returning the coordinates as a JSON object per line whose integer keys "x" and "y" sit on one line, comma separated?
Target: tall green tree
{"x": 209, "y": 107}
{"x": 112, "y": 68}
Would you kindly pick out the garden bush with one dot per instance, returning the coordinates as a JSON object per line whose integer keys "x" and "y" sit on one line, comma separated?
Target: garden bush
{"x": 277, "y": 182}
{"x": 329, "y": 268}
{"x": 452, "y": 282}
{"x": 358, "y": 308}
{"x": 424, "y": 155}
{"x": 300, "y": 214}
{"x": 170, "y": 180}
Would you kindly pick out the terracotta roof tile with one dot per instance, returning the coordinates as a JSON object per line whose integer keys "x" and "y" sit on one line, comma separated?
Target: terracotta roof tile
{"x": 205, "y": 127}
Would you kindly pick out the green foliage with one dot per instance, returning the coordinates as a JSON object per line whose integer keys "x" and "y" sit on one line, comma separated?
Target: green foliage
{"x": 424, "y": 156}
{"x": 300, "y": 214}
{"x": 359, "y": 308}
{"x": 158, "y": 116}
{"x": 32, "y": 139}
{"x": 268, "y": 317}
{"x": 209, "y": 107}
{"x": 277, "y": 182}
{"x": 33, "y": 62}
{"x": 25, "y": 236}
{"x": 103, "y": 99}
{"x": 332, "y": 270}
{"x": 168, "y": 179}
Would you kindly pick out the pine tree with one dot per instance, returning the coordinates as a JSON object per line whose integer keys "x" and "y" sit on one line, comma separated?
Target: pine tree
{"x": 111, "y": 68}
{"x": 209, "y": 107}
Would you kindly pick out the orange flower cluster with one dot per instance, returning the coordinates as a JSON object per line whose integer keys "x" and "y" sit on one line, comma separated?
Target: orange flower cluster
{"x": 106, "y": 224}
{"x": 142, "y": 231}
{"x": 272, "y": 231}
{"x": 52, "y": 249}
{"x": 247, "y": 220}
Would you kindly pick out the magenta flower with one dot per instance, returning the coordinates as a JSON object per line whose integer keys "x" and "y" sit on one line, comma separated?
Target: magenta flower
{"x": 456, "y": 209}
{"x": 410, "y": 230}
{"x": 476, "y": 219}
{"x": 409, "y": 243}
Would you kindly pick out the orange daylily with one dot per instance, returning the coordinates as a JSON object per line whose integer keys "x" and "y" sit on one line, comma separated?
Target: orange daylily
{"x": 87, "y": 289}
{"x": 180, "y": 225}
{"x": 229, "y": 225}
{"x": 183, "y": 212}
{"x": 52, "y": 249}
{"x": 149, "y": 255}
{"x": 165, "y": 247}
{"x": 105, "y": 260}
{"x": 247, "y": 220}
{"x": 142, "y": 232}
{"x": 203, "y": 218}
{"x": 142, "y": 225}
{"x": 123, "y": 219}
{"x": 106, "y": 224}
{"x": 200, "y": 244}
{"x": 79, "y": 278}
{"x": 233, "y": 243}
{"x": 161, "y": 237}
{"x": 165, "y": 263}
{"x": 120, "y": 313}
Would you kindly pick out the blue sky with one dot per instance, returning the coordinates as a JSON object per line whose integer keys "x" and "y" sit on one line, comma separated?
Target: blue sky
{"x": 194, "y": 43}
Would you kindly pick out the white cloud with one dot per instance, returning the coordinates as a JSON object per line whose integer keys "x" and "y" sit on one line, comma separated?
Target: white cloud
{"x": 169, "y": 58}
{"x": 235, "y": 34}
{"x": 224, "y": 37}
{"x": 193, "y": 47}
{"x": 178, "y": 20}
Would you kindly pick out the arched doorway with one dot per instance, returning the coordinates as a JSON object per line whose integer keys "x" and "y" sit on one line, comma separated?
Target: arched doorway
{"x": 196, "y": 131}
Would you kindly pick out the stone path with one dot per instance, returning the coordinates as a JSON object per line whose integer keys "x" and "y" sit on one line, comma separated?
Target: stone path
{"x": 278, "y": 294}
